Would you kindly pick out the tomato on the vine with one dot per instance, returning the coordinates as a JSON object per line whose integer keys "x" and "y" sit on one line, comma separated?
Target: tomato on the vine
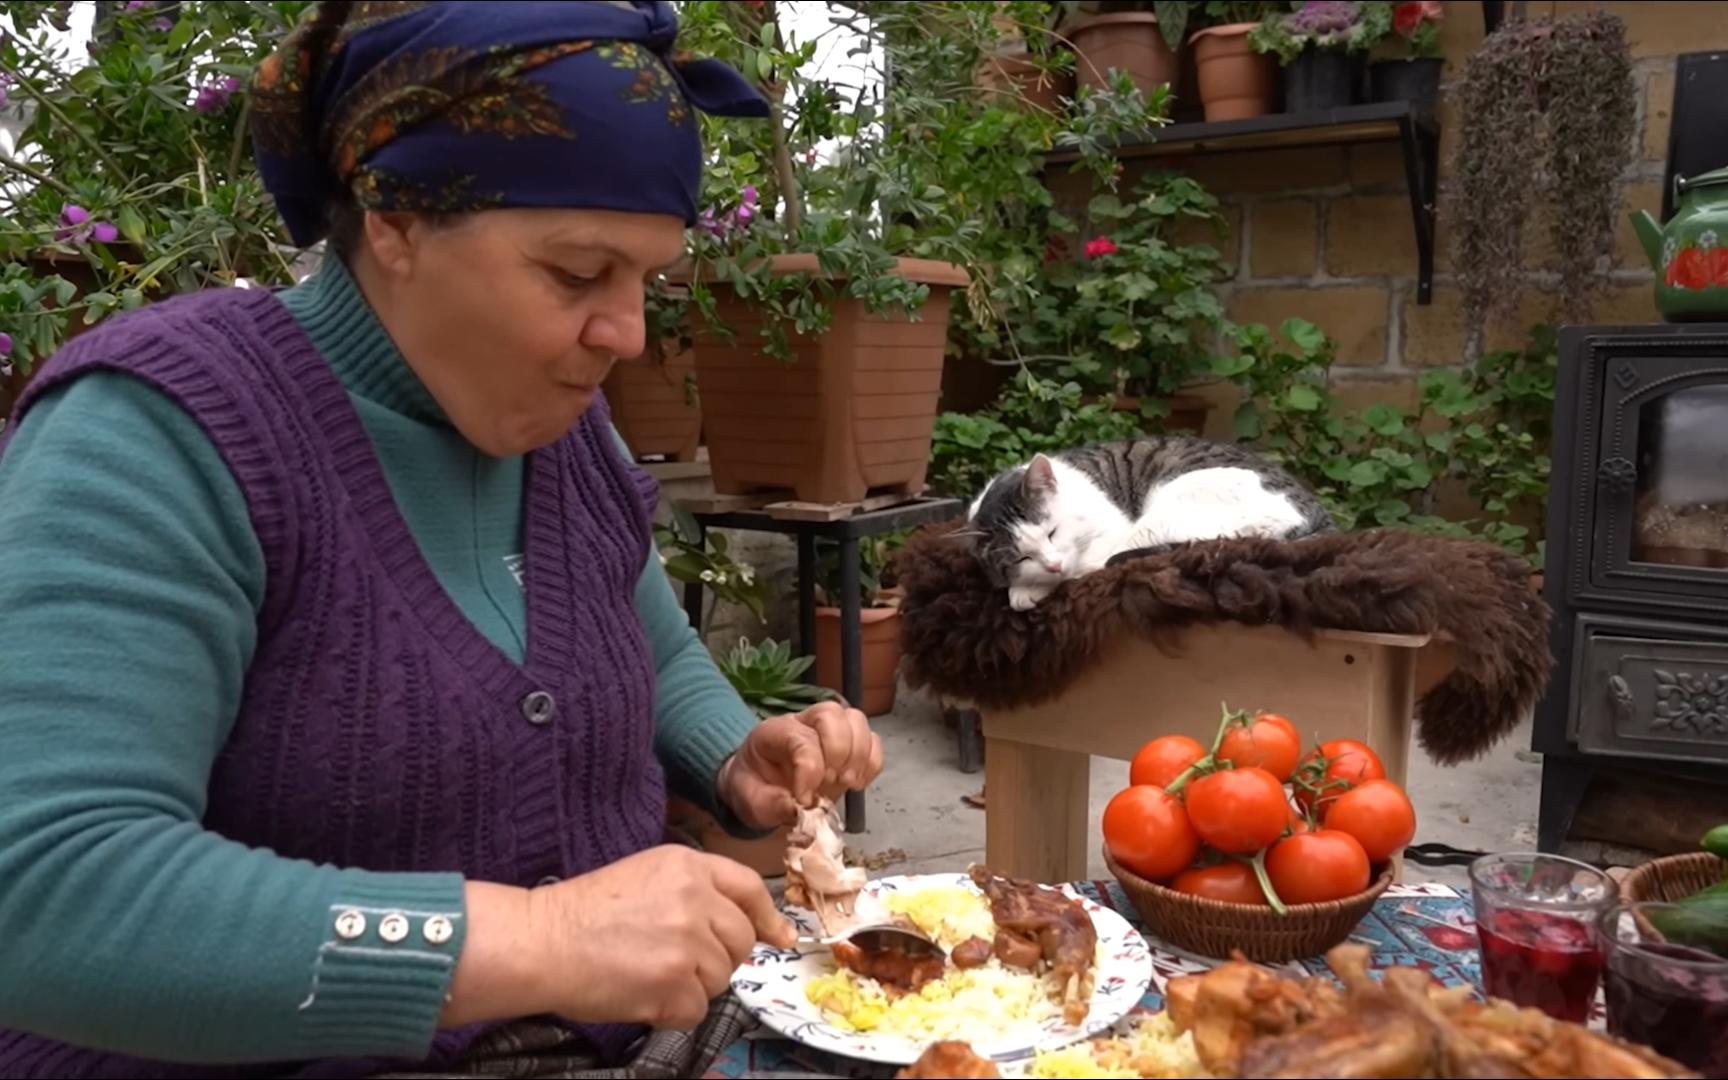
{"x": 1318, "y": 866}
{"x": 1147, "y": 831}
{"x": 1298, "y": 823}
{"x": 1238, "y": 811}
{"x": 1348, "y": 763}
{"x": 1228, "y": 882}
{"x": 1163, "y": 759}
{"x": 1378, "y": 814}
{"x": 1269, "y": 742}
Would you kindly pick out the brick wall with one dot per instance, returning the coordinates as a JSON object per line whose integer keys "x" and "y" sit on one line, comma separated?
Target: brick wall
{"x": 1325, "y": 233}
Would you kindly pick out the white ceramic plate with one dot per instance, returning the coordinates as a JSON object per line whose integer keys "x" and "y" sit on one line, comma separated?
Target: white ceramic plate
{"x": 773, "y": 984}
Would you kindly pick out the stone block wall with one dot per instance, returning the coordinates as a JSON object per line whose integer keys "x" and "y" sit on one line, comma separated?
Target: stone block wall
{"x": 1325, "y": 234}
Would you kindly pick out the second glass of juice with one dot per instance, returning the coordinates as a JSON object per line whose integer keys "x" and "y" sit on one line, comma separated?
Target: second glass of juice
{"x": 1537, "y": 917}
{"x": 1666, "y": 981}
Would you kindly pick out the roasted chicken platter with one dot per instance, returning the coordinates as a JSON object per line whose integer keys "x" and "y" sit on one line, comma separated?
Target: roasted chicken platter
{"x": 1248, "y": 1021}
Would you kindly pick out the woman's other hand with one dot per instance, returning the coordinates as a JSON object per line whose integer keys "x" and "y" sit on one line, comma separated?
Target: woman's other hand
{"x": 651, "y": 939}
{"x": 790, "y": 761}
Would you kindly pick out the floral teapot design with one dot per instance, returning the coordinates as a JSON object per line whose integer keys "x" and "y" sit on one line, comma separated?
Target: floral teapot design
{"x": 1690, "y": 253}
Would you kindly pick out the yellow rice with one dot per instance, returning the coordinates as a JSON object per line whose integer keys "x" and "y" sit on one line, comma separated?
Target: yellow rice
{"x": 1154, "y": 1049}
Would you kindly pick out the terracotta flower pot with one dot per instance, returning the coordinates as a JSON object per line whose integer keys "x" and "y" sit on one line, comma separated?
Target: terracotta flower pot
{"x": 853, "y": 412}
{"x": 879, "y": 653}
{"x": 653, "y": 406}
{"x": 765, "y": 855}
{"x": 1128, "y": 41}
{"x": 1235, "y": 81}
{"x": 1014, "y": 74}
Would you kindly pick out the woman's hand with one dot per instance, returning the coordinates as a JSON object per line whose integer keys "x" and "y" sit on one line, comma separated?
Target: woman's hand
{"x": 789, "y": 761}
{"x": 651, "y": 939}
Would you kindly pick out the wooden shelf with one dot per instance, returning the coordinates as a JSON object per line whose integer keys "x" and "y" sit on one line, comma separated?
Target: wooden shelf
{"x": 1381, "y": 122}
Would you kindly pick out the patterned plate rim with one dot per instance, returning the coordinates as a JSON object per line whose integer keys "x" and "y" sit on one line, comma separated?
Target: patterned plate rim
{"x": 1124, "y": 980}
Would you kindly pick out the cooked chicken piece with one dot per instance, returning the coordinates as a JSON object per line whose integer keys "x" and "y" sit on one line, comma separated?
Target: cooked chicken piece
{"x": 949, "y": 1059}
{"x": 893, "y": 968}
{"x": 1248, "y": 1022}
{"x": 971, "y": 953}
{"x": 1239, "y": 1002}
{"x": 817, "y": 877}
{"x": 1031, "y": 915}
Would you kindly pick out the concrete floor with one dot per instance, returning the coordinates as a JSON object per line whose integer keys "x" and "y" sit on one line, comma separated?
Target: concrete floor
{"x": 917, "y": 808}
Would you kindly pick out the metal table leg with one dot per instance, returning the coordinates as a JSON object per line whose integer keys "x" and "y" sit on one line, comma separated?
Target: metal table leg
{"x": 851, "y": 660}
{"x": 807, "y": 594}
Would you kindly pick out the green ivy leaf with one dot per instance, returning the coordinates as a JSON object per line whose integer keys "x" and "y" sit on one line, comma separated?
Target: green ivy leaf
{"x": 1302, "y": 398}
{"x": 1248, "y": 424}
{"x": 1229, "y": 367}
{"x": 1383, "y": 419}
{"x": 1305, "y": 335}
{"x": 1366, "y": 474}
{"x": 1124, "y": 336}
{"x": 1390, "y": 511}
{"x": 64, "y": 291}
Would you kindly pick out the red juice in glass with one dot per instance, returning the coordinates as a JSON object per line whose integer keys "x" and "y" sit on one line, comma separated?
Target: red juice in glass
{"x": 1669, "y": 992}
{"x": 1536, "y": 917}
{"x": 1550, "y": 962}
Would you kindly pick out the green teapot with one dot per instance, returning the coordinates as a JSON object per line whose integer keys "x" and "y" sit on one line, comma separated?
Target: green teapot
{"x": 1690, "y": 253}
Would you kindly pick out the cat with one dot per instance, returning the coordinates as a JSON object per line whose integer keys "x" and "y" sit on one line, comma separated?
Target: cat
{"x": 1062, "y": 516}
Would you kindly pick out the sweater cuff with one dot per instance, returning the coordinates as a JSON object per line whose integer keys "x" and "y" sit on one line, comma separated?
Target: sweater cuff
{"x": 695, "y": 760}
{"x": 382, "y": 973}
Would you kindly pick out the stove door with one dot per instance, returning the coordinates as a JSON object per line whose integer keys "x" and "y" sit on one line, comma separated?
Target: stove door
{"x": 1661, "y": 472}
{"x": 1639, "y": 693}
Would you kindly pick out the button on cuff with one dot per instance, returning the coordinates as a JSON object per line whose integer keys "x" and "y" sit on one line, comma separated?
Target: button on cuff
{"x": 438, "y": 930}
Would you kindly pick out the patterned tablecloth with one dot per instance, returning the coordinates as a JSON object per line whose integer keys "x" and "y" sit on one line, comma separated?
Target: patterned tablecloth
{"x": 1425, "y": 926}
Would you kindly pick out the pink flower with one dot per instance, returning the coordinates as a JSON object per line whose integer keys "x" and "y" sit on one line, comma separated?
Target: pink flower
{"x": 104, "y": 232}
{"x": 213, "y": 97}
{"x": 163, "y": 24}
{"x": 76, "y": 227}
{"x": 1100, "y": 246}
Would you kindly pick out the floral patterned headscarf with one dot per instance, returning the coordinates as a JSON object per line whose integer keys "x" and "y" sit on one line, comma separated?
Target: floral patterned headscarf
{"x": 455, "y": 106}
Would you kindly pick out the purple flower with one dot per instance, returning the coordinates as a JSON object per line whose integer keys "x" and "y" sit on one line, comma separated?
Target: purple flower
{"x": 213, "y": 97}
{"x": 1325, "y": 17}
{"x": 5, "y": 343}
{"x": 163, "y": 24}
{"x": 748, "y": 198}
{"x": 104, "y": 232}
{"x": 76, "y": 227}
{"x": 139, "y": 5}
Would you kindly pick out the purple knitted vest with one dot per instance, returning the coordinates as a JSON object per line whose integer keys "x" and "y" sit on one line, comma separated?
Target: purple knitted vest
{"x": 379, "y": 729}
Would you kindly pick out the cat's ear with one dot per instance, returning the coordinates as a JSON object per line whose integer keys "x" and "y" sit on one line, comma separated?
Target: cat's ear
{"x": 1040, "y": 478}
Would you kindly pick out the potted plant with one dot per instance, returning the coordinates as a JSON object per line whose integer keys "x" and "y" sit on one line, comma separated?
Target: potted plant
{"x": 1236, "y": 82}
{"x": 1142, "y": 39}
{"x": 799, "y": 292}
{"x": 653, "y": 397}
{"x": 879, "y": 619}
{"x": 1415, "y": 75}
{"x": 1029, "y": 64}
{"x": 842, "y": 235}
{"x": 129, "y": 179}
{"x": 1323, "y": 45}
{"x": 1133, "y": 319}
{"x": 770, "y": 680}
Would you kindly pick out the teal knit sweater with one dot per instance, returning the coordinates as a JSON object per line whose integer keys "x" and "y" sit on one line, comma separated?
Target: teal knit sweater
{"x": 129, "y": 589}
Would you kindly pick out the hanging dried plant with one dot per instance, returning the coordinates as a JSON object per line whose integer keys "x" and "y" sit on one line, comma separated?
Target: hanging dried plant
{"x": 1494, "y": 172}
{"x": 1591, "y": 117}
{"x": 1548, "y": 112}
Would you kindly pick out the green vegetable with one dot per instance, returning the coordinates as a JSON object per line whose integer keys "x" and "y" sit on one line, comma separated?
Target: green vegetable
{"x": 1700, "y": 921}
{"x": 1716, "y": 841}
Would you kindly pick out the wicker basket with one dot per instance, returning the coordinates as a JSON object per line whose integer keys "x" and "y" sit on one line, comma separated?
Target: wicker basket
{"x": 1673, "y": 877}
{"x": 1216, "y": 929}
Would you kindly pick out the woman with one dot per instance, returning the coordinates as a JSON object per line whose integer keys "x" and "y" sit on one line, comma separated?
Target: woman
{"x": 341, "y": 685}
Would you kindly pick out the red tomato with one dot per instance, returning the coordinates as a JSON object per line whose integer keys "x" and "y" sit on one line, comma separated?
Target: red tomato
{"x": 1229, "y": 882}
{"x": 1378, "y": 814}
{"x": 1318, "y": 866}
{"x": 1238, "y": 811}
{"x": 1147, "y": 831}
{"x": 1162, "y": 760}
{"x": 1298, "y": 823}
{"x": 1348, "y": 763}
{"x": 1270, "y": 743}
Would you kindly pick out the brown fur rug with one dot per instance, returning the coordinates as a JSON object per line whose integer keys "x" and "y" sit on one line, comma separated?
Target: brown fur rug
{"x": 962, "y": 639}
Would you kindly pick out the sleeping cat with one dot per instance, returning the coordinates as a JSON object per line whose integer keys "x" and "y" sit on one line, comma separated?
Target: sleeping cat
{"x": 1065, "y": 515}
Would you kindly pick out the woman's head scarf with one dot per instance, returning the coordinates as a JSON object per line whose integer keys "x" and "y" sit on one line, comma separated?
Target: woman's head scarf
{"x": 453, "y": 106}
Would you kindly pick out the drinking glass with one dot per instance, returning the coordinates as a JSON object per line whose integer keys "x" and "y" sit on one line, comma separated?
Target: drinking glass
{"x": 1666, "y": 981}
{"x": 1537, "y": 918}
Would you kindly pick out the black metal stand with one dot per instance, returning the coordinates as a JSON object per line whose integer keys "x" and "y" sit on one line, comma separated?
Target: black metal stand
{"x": 845, "y": 532}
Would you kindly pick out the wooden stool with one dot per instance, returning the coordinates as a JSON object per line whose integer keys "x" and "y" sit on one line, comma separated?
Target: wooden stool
{"x": 1342, "y": 685}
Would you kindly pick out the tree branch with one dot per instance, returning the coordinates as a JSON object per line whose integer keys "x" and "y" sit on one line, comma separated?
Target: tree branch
{"x": 37, "y": 175}
{"x": 83, "y": 136}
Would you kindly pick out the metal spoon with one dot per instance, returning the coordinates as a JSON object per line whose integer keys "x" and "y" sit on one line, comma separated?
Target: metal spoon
{"x": 876, "y": 937}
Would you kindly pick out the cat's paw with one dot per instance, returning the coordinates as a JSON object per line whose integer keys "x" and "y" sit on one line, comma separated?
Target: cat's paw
{"x": 1025, "y": 599}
